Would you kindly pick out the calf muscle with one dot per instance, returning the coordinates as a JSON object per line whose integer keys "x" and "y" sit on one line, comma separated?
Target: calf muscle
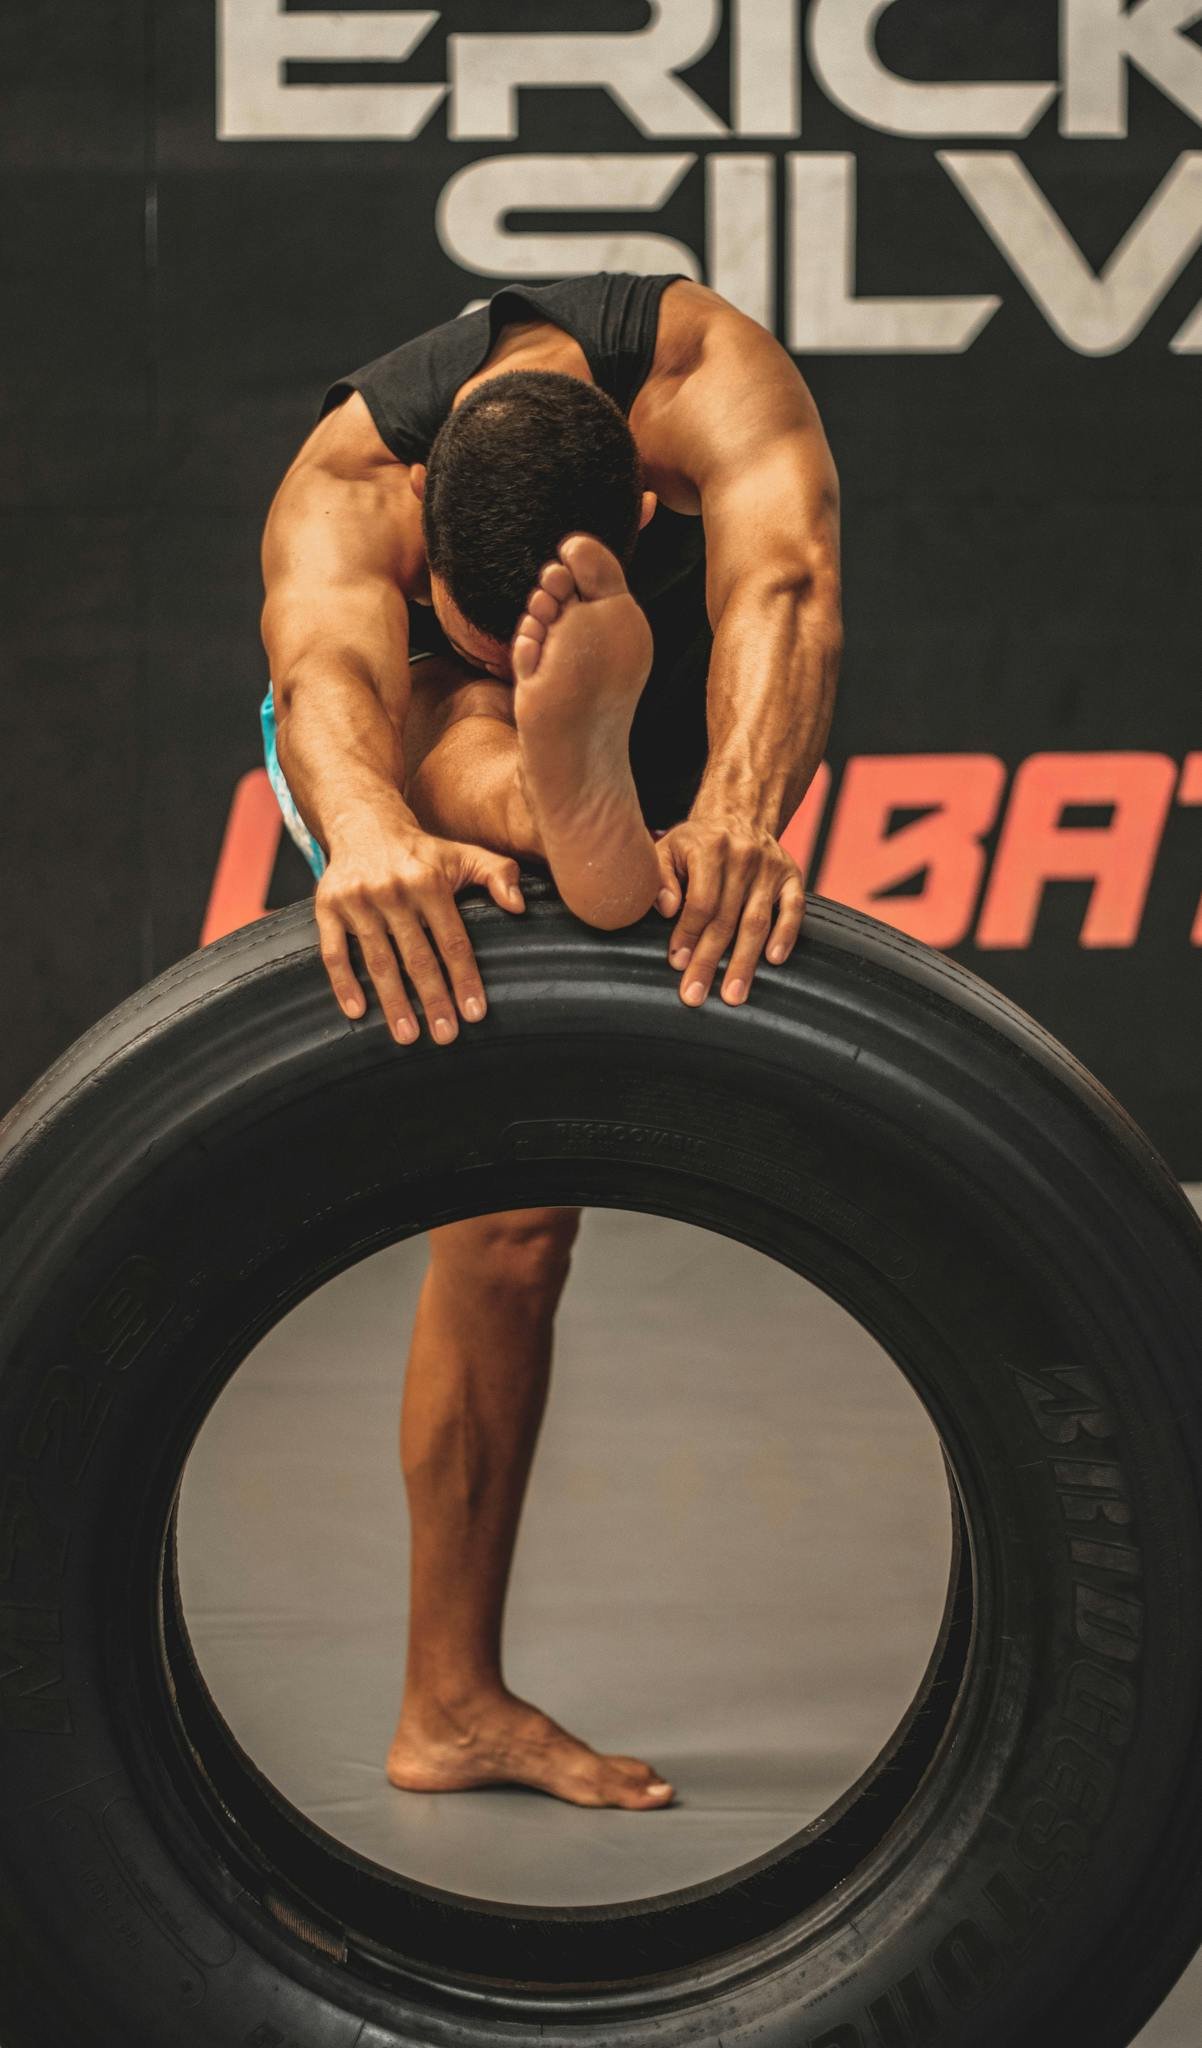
{"x": 463, "y": 777}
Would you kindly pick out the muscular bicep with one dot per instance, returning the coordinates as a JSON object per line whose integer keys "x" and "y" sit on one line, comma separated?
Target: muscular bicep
{"x": 773, "y": 517}
{"x": 742, "y": 428}
{"x": 332, "y": 594}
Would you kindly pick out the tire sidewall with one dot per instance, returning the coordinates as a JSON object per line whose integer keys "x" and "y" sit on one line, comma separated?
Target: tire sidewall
{"x": 1032, "y": 1326}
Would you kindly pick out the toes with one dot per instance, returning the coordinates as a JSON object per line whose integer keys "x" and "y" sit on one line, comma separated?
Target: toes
{"x": 531, "y": 627}
{"x": 654, "y": 1787}
{"x": 635, "y": 1783}
{"x": 655, "y": 1794}
{"x": 636, "y": 1767}
{"x": 526, "y": 652}
{"x": 595, "y": 571}
{"x": 557, "y": 580}
{"x": 541, "y": 605}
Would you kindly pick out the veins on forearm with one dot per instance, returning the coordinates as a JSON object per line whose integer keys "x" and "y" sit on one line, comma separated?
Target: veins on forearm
{"x": 770, "y": 698}
{"x": 339, "y": 751}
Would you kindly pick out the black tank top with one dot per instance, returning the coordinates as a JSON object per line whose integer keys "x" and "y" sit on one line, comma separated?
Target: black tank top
{"x": 615, "y": 318}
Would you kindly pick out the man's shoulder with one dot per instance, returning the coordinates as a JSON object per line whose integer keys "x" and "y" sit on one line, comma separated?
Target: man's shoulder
{"x": 690, "y": 313}
{"x": 344, "y": 446}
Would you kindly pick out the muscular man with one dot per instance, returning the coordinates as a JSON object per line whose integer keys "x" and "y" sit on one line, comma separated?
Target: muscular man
{"x": 558, "y": 572}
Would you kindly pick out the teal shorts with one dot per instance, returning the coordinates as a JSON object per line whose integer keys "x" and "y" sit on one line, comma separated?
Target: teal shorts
{"x": 297, "y": 828}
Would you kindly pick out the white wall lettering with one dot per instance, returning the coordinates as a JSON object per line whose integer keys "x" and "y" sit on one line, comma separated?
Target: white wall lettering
{"x": 765, "y": 67}
{"x": 824, "y": 313}
{"x": 471, "y": 217}
{"x": 740, "y": 245}
{"x": 1094, "y": 314}
{"x": 637, "y": 68}
{"x": 1100, "y": 38}
{"x": 844, "y": 56}
{"x": 255, "y": 38}
{"x": 750, "y": 232}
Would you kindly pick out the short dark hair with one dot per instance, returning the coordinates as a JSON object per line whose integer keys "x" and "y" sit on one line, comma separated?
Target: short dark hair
{"x": 529, "y": 457}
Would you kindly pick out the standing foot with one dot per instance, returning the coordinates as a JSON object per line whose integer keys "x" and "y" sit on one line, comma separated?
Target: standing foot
{"x": 581, "y": 655}
{"x": 499, "y": 1739}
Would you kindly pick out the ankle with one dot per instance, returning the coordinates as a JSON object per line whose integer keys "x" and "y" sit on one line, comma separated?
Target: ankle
{"x": 450, "y": 1704}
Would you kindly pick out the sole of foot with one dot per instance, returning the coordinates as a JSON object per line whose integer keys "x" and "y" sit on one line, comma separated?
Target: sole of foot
{"x": 581, "y": 656}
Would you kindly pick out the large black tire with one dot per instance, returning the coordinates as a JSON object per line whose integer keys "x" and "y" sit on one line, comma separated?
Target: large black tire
{"x": 1023, "y": 1865}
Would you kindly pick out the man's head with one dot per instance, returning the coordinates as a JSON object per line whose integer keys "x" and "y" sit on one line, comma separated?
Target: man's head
{"x": 529, "y": 457}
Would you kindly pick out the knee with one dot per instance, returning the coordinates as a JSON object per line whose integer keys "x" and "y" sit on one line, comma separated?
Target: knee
{"x": 525, "y": 1252}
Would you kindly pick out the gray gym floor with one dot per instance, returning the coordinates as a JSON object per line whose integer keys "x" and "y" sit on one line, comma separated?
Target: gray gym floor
{"x": 732, "y": 1563}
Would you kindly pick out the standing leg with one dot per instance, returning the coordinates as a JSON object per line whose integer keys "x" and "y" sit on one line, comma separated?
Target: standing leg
{"x": 479, "y": 1365}
{"x": 475, "y": 1392}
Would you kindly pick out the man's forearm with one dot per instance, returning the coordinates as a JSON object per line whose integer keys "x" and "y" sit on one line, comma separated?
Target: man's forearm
{"x": 338, "y": 748}
{"x": 770, "y": 698}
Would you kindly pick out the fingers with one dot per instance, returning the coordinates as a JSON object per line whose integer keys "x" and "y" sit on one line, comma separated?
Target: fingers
{"x": 703, "y": 891}
{"x": 714, "y": 938}
{"x": 376, "y": 928}
{"x": 336, "y": 959}
{"x": 410, "y": 930}
{"x": 790, "y": 911}
{"x": 754, "y": 926}
{"x": 433, "y": 942}
{"x": 454, "y": 952}
{"x": 668, "y": 900}
{"x": 381, "y": 964}
{"x": 729, "y": 897}
{"x": 422, "y": 967}
{"x": 496, "y": 873}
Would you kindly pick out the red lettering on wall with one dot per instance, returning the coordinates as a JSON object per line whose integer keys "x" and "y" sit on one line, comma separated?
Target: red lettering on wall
{"x": 959, "y": 793}
{"x": 1036, "y": 845}
{"x": 244, "y": 865}
{"x": 959, "y": 796}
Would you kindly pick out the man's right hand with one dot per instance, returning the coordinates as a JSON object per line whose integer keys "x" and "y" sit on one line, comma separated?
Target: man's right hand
{"x": 394, "y": 887}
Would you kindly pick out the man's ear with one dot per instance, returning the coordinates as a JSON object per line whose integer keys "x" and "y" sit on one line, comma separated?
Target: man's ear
{"x": 417, "y": 480}
{"x": 650, "y": 501}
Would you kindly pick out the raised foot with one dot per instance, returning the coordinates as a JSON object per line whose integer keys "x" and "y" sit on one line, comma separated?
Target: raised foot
{"x": 582, "y": 627}
{"x": 505, "y": 1741}
{"x": 581, "y": 655}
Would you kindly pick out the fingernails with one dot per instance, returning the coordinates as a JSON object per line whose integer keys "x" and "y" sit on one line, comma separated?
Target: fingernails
{"x": 353, "y": 1006}
{"x": 665, "y": 902}
{"x": 406, "y": 1030}
{"x": 659, "y": 1785}
{"x": 776, "y": 954}
{"x": 694, "y": 992}
{"x": 444, "y": 1030}
{"x": 473, "y": 1009}
{"x": 681, "y": 957}
{"x": 735, "y": 991}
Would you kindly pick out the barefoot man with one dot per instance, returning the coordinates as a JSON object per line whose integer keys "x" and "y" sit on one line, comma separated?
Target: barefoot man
{"x": 555, "y": 577}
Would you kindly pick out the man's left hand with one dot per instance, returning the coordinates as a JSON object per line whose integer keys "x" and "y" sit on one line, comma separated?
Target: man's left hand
{"x": 729, "y": 881}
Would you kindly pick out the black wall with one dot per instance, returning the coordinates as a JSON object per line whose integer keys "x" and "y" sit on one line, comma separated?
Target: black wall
{"x": 1021, "y": 518}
